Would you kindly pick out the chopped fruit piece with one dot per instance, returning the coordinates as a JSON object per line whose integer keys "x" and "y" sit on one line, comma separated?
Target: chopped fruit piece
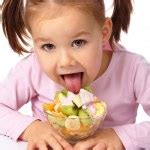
{"x": 57, "y": 107}
{"x": 85, "y": 119}
{"x": 56, "y": 101}
{"x": 48, "y": 106}
{"x": 60, "y": 96}
{"x": 60, "y": 121}
{"x": 68, "y": 100}
{"x": 86, "y": 97}
{"x": 77, "y": 101}
{"x": 88, "y": 88}
{"x": 70, "y": 94}
{"x": 72, "y": 123}
{"x": 100, "y": 109}
{"x": 96, "y": 100}
{"x": 48, "y": 112}
{"x": 69, "y": 110}
{"x": 64, "y": 92}
{"x": 84, "y": 128}
{"x": 65, "y": 131}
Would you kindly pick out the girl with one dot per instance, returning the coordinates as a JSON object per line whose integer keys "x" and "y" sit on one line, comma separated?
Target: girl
{"x": 74, "y": 45}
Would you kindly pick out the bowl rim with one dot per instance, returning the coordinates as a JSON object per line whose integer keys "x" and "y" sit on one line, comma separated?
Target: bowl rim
{"x": 65, "y": 117}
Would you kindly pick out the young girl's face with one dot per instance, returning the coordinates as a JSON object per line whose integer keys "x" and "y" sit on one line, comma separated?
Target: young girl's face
{"x": 69, "y": 45}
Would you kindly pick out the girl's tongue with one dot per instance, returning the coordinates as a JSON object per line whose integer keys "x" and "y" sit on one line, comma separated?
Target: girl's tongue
{"x": 73, "y": 82}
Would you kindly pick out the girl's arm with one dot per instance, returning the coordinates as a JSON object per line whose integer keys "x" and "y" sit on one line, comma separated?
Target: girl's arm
{"x": 15, "y": 91}
{"x": 129, "y": 136}
{"x": 136, "y": 136}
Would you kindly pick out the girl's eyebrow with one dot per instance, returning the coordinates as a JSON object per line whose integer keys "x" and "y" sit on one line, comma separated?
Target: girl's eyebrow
{"x": 39, "y": 39}
{"x": 81, "y": 33}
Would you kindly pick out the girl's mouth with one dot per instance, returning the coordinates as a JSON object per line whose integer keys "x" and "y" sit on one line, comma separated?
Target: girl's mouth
{"x": 73, "y": 81}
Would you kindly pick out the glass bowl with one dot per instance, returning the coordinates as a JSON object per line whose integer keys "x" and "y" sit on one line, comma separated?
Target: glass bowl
{"x": 73, "y": 128}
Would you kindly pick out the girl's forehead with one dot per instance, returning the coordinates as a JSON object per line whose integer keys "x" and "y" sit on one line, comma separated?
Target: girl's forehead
{"x": 64, "y": 14}
{"x": 53, "y": 10}
{"x": 69, "y": 21}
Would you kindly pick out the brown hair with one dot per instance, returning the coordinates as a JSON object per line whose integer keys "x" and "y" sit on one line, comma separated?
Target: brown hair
{"x": 15, "y": 29}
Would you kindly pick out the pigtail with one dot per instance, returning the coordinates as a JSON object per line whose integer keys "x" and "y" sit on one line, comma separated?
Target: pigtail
{"x": 13, "y": 24}
{"x": 120, "y": 18}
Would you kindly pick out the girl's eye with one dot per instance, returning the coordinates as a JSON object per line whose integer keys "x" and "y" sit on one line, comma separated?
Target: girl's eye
{"x": 48, "y": 47}
{"x": 78, "y": 43}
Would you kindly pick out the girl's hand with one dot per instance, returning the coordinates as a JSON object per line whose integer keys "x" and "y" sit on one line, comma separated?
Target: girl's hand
{"x": 105, "y": 139}
{"x": 41, "y": 135}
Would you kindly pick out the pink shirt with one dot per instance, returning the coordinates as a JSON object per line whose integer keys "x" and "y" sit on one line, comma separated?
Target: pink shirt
{"x": 124, "y": 85}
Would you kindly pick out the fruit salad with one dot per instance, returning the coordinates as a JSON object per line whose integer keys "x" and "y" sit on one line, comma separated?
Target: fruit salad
{"x": 75, "y": 116}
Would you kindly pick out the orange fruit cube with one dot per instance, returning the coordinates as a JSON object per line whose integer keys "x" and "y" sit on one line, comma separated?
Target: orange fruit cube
{"x": 48, "y": 106}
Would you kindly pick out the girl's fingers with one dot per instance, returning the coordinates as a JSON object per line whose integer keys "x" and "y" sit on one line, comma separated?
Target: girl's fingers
{"x": 85, "y": 144}
{"x": 53, "y": 143}
{"x": 42, "y": 145}
{"x": 100, "y": 146}
{"x": 103, "y": 146}
{"x": 63, "y": 142}
{"x": 111, "y": 147}
{"x": 31, "y": 146}
{"x": 50, "y": 143}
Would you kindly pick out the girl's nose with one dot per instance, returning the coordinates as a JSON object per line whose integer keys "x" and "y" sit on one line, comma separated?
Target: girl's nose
{"x": 66, "y": 59}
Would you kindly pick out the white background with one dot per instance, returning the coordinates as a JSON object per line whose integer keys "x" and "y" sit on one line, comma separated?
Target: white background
{"x": 137, "y": 40}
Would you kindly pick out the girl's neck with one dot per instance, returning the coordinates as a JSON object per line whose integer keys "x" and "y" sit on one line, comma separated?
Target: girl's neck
{"x": 106, "y": 58}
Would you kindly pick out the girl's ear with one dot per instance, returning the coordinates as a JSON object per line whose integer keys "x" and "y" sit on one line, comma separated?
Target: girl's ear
{"x": 106, "y": 30}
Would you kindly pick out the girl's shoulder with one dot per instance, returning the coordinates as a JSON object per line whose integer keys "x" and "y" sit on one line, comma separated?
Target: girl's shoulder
{"x": 28, "y": 62}
{"x": 27, "y": 67}
{"x": 125, "y": 62}
{"x": 128, "y": 63}
{"x": 125, "y": 56}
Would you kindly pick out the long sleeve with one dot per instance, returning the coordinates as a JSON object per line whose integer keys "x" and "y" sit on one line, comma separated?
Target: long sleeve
{"x": 137, "y": 136}
{"x": 15, "y": 91}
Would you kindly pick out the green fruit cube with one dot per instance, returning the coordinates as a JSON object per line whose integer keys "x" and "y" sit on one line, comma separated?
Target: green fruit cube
{"x": 64, "y": 92}
{"x": 88, "y": 88}
{"x": 60, "y": 121}
{"x": 60, "y": 96}
{"x": 69, "y": 110}
{"x": 85, "y": 119}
